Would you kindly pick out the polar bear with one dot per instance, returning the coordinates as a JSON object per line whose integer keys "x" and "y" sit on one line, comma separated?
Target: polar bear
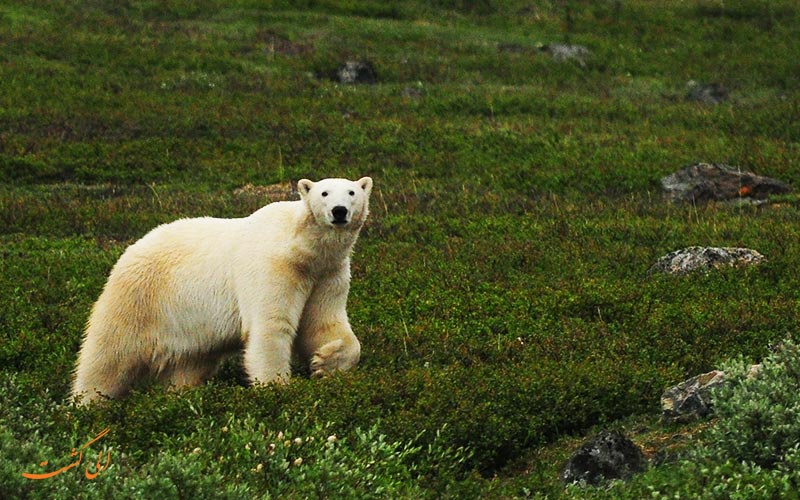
{"x": 193, "y": 291}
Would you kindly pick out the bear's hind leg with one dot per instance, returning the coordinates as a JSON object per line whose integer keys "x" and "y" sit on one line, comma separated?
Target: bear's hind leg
{"x": 102, "y": 377}
{"x": 190, "y": 373}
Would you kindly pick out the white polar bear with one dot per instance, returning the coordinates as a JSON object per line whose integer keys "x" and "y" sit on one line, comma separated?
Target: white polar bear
{"x": 191, "y": 292}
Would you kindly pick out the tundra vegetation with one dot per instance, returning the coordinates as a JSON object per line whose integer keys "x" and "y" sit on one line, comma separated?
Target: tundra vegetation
{"x": 500, "y": 289}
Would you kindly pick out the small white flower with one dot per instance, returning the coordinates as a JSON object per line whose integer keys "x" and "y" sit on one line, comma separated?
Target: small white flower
{"x": 332, "y": 438}
{"x": 280, "y": 435}
{"x": 298, "y": 440}
{"x": 247, "y": 447}
{"x": 259, "y": 467}
{"x": 224, "y": 428}
{"x": 196, "y": 451}
{"x": 297, "y": 462}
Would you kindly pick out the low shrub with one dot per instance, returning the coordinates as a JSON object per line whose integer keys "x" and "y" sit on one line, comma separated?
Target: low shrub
{"x": 759, "y": 415}
{"x": 239, "y": 457}
{"x": 751, "y": 451}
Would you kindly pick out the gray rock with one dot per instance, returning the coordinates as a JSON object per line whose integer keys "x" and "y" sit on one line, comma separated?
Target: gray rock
{"x": 567, "y": 52}
{"x": 704, "y": 182}
{"x": 698, "y": 258}
{"x": 609, "y": 455}
{"x": 355, "y": 72}
{"x": 706, "y": 93}
{"x": 691, "y": 399}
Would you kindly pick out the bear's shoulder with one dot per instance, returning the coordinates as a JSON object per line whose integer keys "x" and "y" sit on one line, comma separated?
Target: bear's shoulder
{"x": 285, "y": 213}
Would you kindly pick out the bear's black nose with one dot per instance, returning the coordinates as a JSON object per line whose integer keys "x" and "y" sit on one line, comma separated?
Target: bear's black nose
{"x": 339, "y": 214}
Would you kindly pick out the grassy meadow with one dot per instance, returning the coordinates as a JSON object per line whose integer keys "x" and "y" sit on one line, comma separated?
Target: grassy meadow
{"x": 500, "y": 288}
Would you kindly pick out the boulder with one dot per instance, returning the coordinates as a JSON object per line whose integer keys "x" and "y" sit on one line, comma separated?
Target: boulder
{"x": 704, "y": 182}
{"x": 691, "y": 399}
{"x": 357, "y": 72}
{"x": 698, "y": 258}
{"x": 609, "y": 455}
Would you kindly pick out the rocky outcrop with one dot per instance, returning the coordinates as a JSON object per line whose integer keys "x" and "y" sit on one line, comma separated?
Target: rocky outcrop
{"x": 691, "y": 399}
{"x": 703, "y": 182}
{"x": 698, "y": 258}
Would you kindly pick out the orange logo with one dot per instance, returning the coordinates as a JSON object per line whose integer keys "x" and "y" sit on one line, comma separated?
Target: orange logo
{"x": 89, "y": 475}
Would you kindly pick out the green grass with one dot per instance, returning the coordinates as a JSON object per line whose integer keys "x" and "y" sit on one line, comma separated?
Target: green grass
{"x": 500, "y": 288}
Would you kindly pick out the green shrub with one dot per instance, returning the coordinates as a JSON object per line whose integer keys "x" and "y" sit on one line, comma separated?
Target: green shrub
{"x": 311, "y": 461}
{"x": 759, "y": 415}
{"x": 169, "y": 475}
{"x": 727, "y": 480}
{"x": 232, "y": 459}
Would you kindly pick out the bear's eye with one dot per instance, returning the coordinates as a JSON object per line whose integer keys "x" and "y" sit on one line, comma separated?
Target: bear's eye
{"x": 352, "y": 193}
{"x": 324, "y": 194}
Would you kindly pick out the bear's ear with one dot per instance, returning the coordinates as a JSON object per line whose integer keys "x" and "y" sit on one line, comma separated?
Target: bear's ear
{"x": 304, "y": 187}
{"x": 365, "y": 183}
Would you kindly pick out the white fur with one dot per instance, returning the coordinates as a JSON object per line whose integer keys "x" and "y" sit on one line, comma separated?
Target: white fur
{"x": 191, "y": 292}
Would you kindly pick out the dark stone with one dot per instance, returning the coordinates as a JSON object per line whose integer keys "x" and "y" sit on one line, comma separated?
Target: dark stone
{"x": 691, "y": 399}
{"x": 696, "y": 258}
{"x": 706, "y": 93}
{"x": 609, "y": 455}
{"x": 704, "y": 182}
{"x": 357, "y": 72}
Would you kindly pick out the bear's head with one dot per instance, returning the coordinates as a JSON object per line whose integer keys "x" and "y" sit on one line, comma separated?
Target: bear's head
{"x": 337, "y": 203}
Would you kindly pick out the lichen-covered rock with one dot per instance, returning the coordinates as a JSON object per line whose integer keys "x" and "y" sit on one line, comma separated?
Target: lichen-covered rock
{"x": 691, "y": 399}
{"x": 698, "y": 258}
{"x": 703, "y": 182}
{"x": 609, "y": 455}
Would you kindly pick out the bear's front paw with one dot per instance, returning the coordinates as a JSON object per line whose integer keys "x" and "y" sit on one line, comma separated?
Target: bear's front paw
{"x": 333, "y": 356}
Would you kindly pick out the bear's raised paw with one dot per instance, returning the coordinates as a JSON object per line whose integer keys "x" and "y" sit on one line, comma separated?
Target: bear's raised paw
{"x": 334, "y": 356}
